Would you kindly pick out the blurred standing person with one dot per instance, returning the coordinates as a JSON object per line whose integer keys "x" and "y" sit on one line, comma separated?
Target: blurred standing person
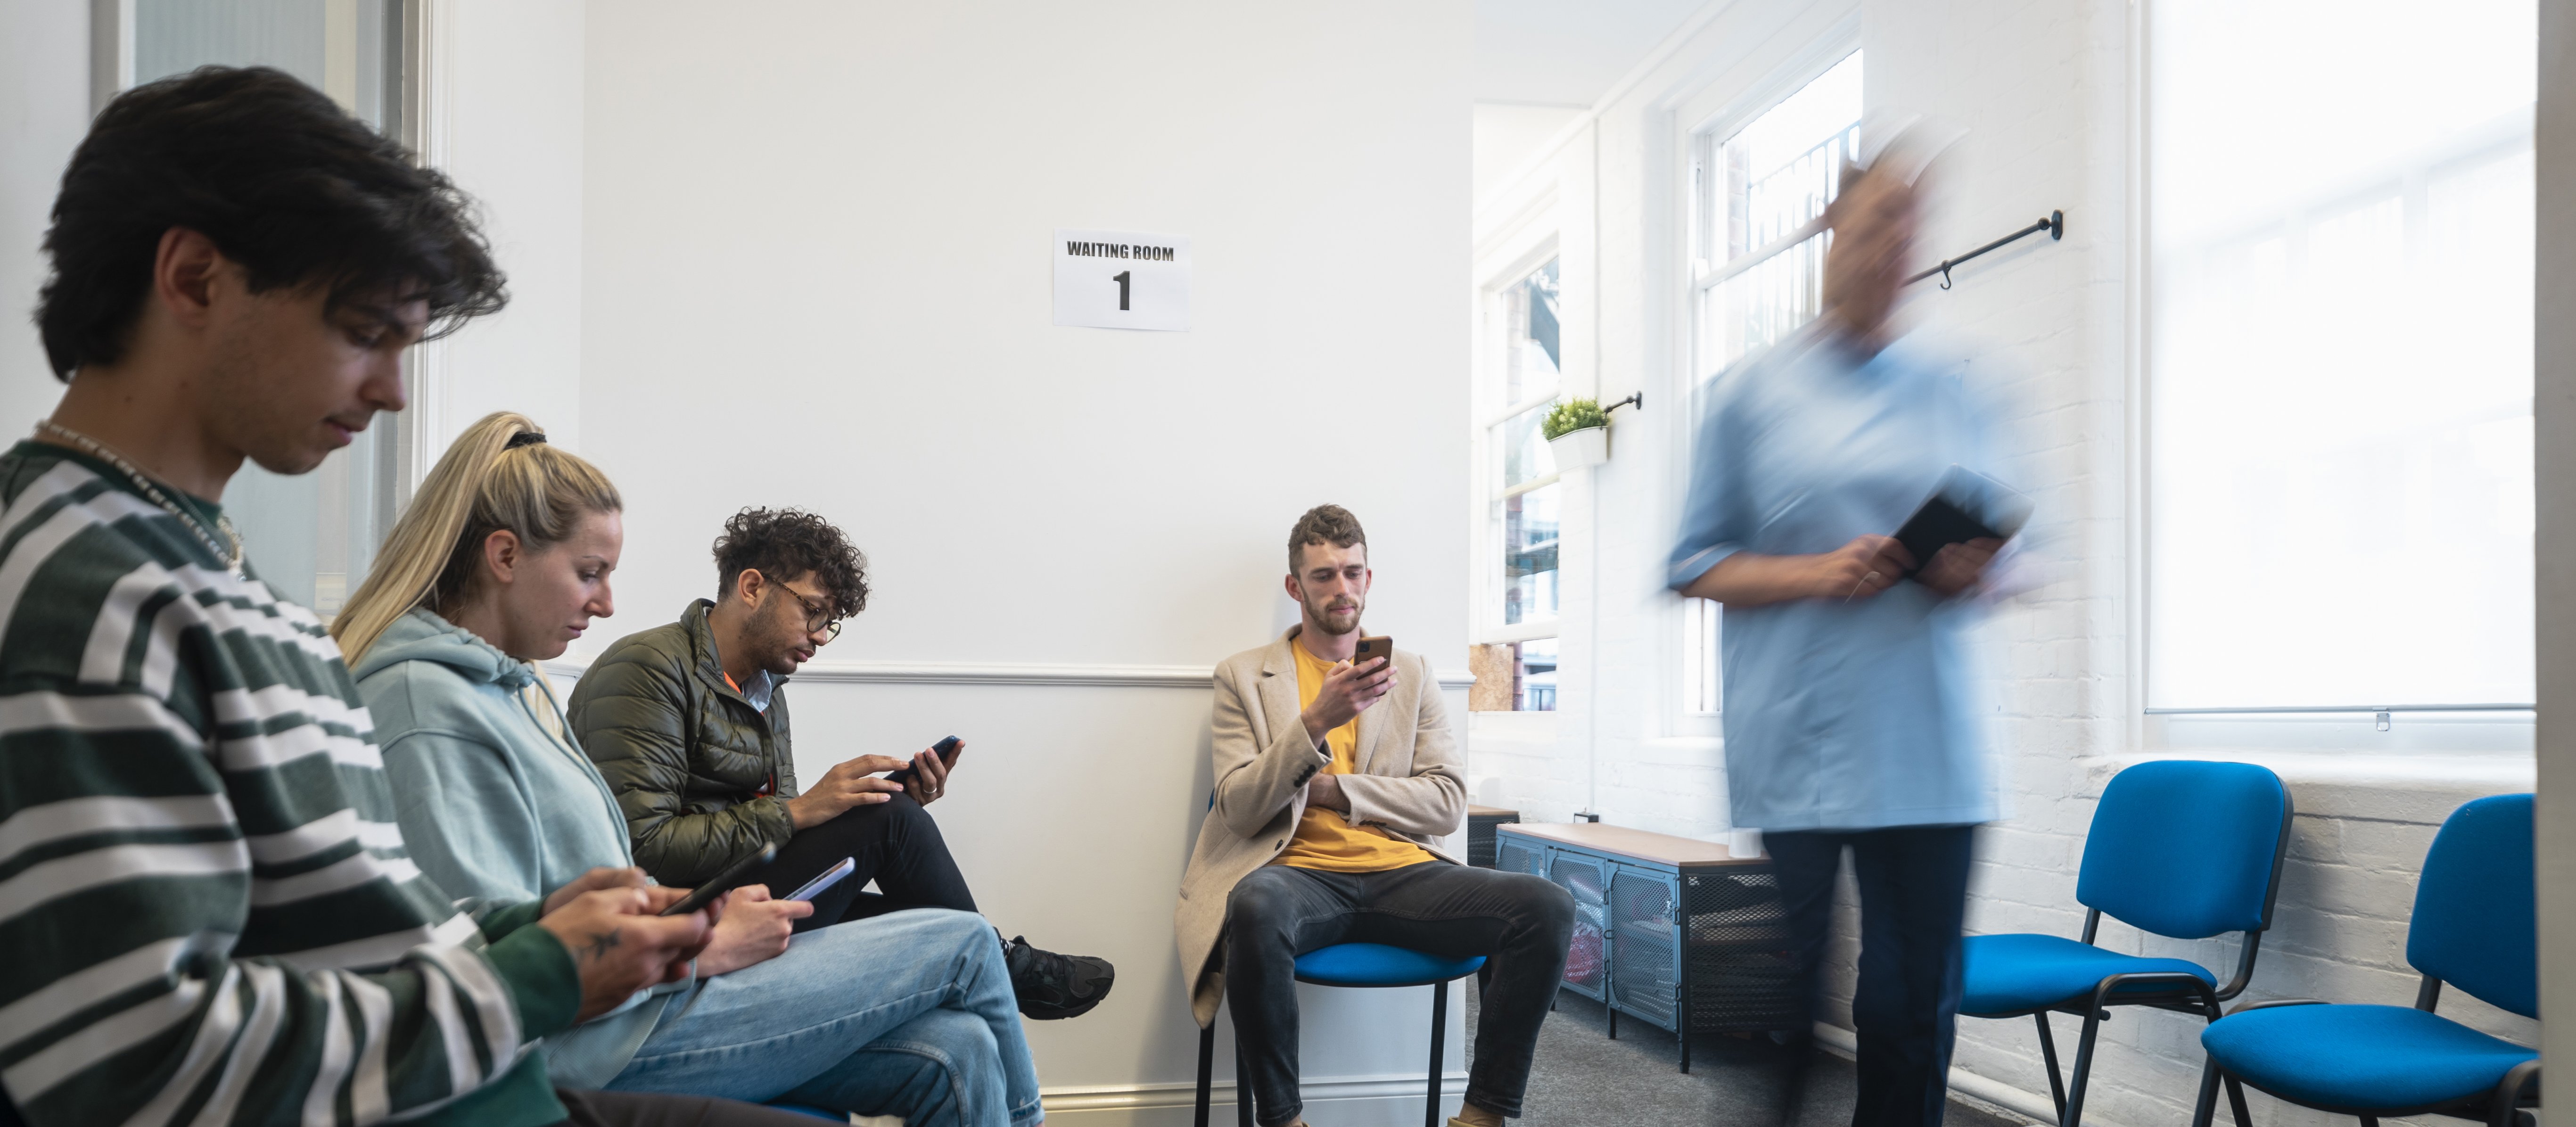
{"x": 1847, "y": 715}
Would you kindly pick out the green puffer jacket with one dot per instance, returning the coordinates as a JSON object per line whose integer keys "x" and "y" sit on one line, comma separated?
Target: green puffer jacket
{"x": 685, "y": 753}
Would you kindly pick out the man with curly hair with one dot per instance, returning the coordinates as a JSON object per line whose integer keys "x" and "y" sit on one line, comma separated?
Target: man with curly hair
{"x": 688, "y": 722}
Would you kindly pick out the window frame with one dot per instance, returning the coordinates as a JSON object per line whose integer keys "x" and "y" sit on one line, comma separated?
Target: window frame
{"x": 1515, "y": 257}
{"x": 2342, "y": 730}
{"x": 1695, "y": 191}
{"x": 411, "y": 98}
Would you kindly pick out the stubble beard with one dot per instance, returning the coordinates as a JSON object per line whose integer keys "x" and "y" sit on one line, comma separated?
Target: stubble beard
{"x": 1324, "y": 621}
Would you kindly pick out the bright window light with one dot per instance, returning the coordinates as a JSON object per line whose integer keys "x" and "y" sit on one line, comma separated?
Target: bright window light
{"x": 2340, "y": 358}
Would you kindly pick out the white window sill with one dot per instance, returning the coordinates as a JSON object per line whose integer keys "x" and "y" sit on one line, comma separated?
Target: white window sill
{"x": 2386, "y": 786}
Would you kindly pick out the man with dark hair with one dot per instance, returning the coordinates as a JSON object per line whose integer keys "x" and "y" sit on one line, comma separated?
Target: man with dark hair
{"x": 688, "y": 722}
{"x": 206, "y": 911}
{"x": 1334, "y": 782}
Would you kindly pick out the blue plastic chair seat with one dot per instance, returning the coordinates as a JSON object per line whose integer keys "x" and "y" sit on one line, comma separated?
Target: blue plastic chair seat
{"x": 2355, "y": 1056}
{"x": 1377, "y": 964}
{"x": 2010, "y": 974}
{"x": 816, "y": 1112}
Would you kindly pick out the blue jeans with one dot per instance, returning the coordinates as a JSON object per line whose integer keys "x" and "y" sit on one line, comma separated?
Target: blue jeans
{"x": 907, "y": 1014}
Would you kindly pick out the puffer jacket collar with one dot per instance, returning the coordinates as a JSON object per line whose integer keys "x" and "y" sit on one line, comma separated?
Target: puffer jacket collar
{"x": 708, "y": 663}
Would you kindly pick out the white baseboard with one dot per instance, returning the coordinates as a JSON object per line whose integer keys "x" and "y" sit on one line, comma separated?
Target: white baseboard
{"x": 1347, "y": 1101}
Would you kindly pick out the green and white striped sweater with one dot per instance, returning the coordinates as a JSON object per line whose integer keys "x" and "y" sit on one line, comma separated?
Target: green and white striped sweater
{"x": 206, "y": 914}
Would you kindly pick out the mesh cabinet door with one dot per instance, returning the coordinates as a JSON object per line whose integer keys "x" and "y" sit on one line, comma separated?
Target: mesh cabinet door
{"x": 1643, "y": 937}
{"x": 1741, "y": 976}
{"x": 1514, "y": 854}
{"x": 1588, "y": 879}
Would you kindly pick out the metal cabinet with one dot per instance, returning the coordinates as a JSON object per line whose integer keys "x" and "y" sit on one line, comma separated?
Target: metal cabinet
{"x": 1681, "y": 934}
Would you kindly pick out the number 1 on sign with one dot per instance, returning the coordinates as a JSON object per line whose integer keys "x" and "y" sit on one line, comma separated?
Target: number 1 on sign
{"x": 1121, "y": 279}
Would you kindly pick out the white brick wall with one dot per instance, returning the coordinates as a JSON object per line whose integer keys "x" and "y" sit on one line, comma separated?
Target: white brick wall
{"x": 2044, "y": 85}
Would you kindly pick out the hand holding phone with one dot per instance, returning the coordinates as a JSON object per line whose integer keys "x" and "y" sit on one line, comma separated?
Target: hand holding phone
{"x": 1378, "y": 648}
{"x": 1351, "y": 687}
{"x": 733, "y": 876}
{"x": 927, "y": 778}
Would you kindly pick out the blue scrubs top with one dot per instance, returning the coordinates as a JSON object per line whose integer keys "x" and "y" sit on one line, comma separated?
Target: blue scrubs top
{"x": 1856, "y": 715}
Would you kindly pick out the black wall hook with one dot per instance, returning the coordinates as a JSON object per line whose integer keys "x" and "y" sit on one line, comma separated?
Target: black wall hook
{"x": 2054, "y": 224}
{"x": 1637, "y": 401}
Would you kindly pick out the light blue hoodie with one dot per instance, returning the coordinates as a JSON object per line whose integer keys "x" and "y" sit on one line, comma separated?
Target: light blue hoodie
{"x": 492, "y": 805}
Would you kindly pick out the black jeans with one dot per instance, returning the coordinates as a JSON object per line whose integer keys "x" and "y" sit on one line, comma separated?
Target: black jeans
{"x": 895, "y": 844}
{"x": 1913, "y": 900}
{"x": 1278, "y": 913}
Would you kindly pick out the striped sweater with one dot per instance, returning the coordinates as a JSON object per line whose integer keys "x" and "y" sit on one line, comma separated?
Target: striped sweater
{"x": 206, "y": 914}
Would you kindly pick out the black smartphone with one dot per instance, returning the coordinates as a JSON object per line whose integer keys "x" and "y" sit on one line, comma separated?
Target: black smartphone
{"x": 946, "y": 750}
{"x": 734, "y": 876}
{"x": 1372, "y": 648}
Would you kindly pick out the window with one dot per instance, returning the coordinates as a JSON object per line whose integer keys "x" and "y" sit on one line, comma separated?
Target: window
{"x": 313, "y": 535}
{"x": 1757, "y": 252}
{"x": 2339, "y": 353}
{"x": 1521, "y": 479}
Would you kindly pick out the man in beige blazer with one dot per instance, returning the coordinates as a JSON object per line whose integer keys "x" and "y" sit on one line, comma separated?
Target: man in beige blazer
{"x": 1333, "y": 783}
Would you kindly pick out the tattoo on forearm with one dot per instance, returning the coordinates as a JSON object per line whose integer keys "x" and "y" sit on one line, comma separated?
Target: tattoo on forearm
{"x": 602, "y": 942}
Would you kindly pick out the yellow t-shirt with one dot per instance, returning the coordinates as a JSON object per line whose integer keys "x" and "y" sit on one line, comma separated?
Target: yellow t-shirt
{"x": 1324, "y": 840}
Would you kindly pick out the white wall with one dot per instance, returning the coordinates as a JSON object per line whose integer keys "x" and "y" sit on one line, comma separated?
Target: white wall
{"x": 816, "y": 273}
{"x": 507, "y": 127}
{"x": 2045, "y": 89}
{"x": 44, "y": 111}
{"x": 1506, "y": 136}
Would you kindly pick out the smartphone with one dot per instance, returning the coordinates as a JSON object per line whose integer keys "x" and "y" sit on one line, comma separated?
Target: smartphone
{"x": 946, "y": 750}
{"x": 734, "y": 876}
{"x": 1374, "y": 647}
{"x": 830, "y": 877}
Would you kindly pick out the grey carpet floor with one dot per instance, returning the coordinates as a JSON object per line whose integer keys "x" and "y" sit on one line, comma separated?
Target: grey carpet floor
{"x": 1581, "y": 1077}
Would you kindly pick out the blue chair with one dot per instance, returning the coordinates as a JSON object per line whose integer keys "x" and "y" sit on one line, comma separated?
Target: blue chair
{"x": 809, "y": 1109}
{"x": 2475, "y": 927}
{"x": 1358, "y": 965}
{"x": 2178, "y": 848}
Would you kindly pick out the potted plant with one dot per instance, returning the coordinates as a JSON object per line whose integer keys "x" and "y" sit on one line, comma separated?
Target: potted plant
{"x": 1579, "y": 432}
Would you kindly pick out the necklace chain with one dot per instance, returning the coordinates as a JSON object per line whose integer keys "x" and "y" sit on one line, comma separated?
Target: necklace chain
{"x": 100, "y": 450}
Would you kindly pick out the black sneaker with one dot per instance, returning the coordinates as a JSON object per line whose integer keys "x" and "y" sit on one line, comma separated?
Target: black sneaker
{"x": 1052, "y": 986}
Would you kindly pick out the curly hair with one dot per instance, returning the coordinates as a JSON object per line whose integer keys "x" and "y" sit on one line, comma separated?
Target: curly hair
{"x": 1324, "y": 524}
{"x": 784, "y": 544}
{"x": 283, "y": 182}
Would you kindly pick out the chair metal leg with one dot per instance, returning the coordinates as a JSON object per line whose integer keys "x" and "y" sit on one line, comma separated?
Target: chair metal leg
{"x": 2048, "y": 1056}
{"x": 2236, "y": 1103}
{"x": 2369, "y": 1121}
{"x": 2503, "y": 1104}
{"x": 2083, "y": 1069}
{"x": 1242, "y": 1089}
{"x": 1611, "y": 1007}
{"x": 2206, "y": 1107}
{"x": 1207, "y": 1069}
{"x": 1439, "y": 1033}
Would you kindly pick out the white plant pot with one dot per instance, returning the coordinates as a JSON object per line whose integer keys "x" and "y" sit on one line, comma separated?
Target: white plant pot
{"x": 1578, "y": 449}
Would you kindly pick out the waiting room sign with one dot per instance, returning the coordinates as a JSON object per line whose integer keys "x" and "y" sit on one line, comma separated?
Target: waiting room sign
{"x": 1122, "y": 280}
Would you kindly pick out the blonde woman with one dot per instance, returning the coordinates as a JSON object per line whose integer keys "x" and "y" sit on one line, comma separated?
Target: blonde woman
{"x": 502, "y": 560}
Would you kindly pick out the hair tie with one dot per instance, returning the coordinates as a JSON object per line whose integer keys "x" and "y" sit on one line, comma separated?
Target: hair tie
{"x": 526, "y": 438}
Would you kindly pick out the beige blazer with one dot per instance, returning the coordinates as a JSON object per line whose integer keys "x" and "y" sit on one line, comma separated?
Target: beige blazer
{"x": 1406, "y": 780}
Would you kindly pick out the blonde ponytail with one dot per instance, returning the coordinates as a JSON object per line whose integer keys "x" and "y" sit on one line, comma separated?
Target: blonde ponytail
{"x": 482, "y": 485}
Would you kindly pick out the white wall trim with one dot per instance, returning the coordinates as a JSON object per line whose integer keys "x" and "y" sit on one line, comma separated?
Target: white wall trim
{"x": 1000, "y": 673}
{"x": 1140, "y": 1097}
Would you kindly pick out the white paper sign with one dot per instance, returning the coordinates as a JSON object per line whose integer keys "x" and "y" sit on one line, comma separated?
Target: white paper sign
{"x": 1122, "y": 280}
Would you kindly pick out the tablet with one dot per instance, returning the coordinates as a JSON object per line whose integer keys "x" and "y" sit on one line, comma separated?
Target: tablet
{"x": 1965, "y": 506}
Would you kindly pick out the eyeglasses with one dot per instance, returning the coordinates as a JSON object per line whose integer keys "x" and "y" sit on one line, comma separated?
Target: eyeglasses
{"x": 816, "y": 617}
